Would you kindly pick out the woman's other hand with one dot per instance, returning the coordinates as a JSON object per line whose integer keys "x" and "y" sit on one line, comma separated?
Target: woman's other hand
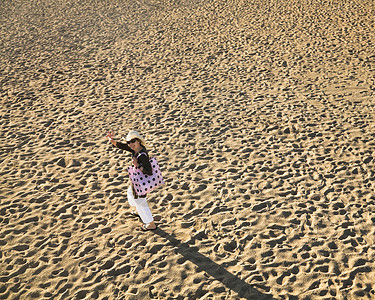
{"x": 135, "y": 162}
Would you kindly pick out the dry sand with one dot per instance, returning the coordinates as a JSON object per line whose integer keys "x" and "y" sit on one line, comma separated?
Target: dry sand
{"x": 261, "y": 114}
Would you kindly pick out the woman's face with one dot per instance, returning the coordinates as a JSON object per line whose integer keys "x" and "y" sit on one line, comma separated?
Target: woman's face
{"x": 134, "y": 144}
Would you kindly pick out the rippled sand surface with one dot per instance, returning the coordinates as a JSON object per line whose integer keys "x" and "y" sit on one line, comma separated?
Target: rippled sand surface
{"x": 261, "y": 114}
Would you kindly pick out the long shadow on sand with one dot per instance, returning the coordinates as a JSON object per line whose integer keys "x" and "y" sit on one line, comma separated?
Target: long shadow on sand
{"x": 231, "y": 281}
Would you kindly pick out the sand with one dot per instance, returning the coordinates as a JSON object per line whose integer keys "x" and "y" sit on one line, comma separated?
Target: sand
{"x": 261, "y": 114}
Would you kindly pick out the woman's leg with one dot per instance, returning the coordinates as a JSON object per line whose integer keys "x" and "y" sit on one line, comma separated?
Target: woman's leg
{"x": 131, "y": 199}
{"x": 144, "y": 210}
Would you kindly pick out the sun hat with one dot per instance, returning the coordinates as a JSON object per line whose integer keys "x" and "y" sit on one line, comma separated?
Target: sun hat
{"x": 135, "y": 135}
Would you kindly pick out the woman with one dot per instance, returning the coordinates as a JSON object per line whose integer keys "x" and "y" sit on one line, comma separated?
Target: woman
{"x": 138, "y": 203}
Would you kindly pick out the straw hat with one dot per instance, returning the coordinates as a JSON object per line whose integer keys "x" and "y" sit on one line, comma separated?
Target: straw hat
{"x": 135, "y": 135}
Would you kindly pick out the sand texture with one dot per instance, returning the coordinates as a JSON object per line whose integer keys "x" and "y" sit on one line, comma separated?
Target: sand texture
{"x": 261, "y": 114}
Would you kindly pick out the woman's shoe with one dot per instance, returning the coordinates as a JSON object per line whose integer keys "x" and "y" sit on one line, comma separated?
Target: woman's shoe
{"x": 146, "y": 227}
{"x": 135, "y": 214}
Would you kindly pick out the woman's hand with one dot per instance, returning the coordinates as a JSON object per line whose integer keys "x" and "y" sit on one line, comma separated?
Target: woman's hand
{"x": 109, "y": 136}
{"x": 135, "y": 162}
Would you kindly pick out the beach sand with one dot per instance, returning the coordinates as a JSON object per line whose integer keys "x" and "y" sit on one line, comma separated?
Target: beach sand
{"x": 261, "y": 114}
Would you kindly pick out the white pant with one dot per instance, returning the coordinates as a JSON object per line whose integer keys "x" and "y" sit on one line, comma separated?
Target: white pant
{"x": 141, "y": 205}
